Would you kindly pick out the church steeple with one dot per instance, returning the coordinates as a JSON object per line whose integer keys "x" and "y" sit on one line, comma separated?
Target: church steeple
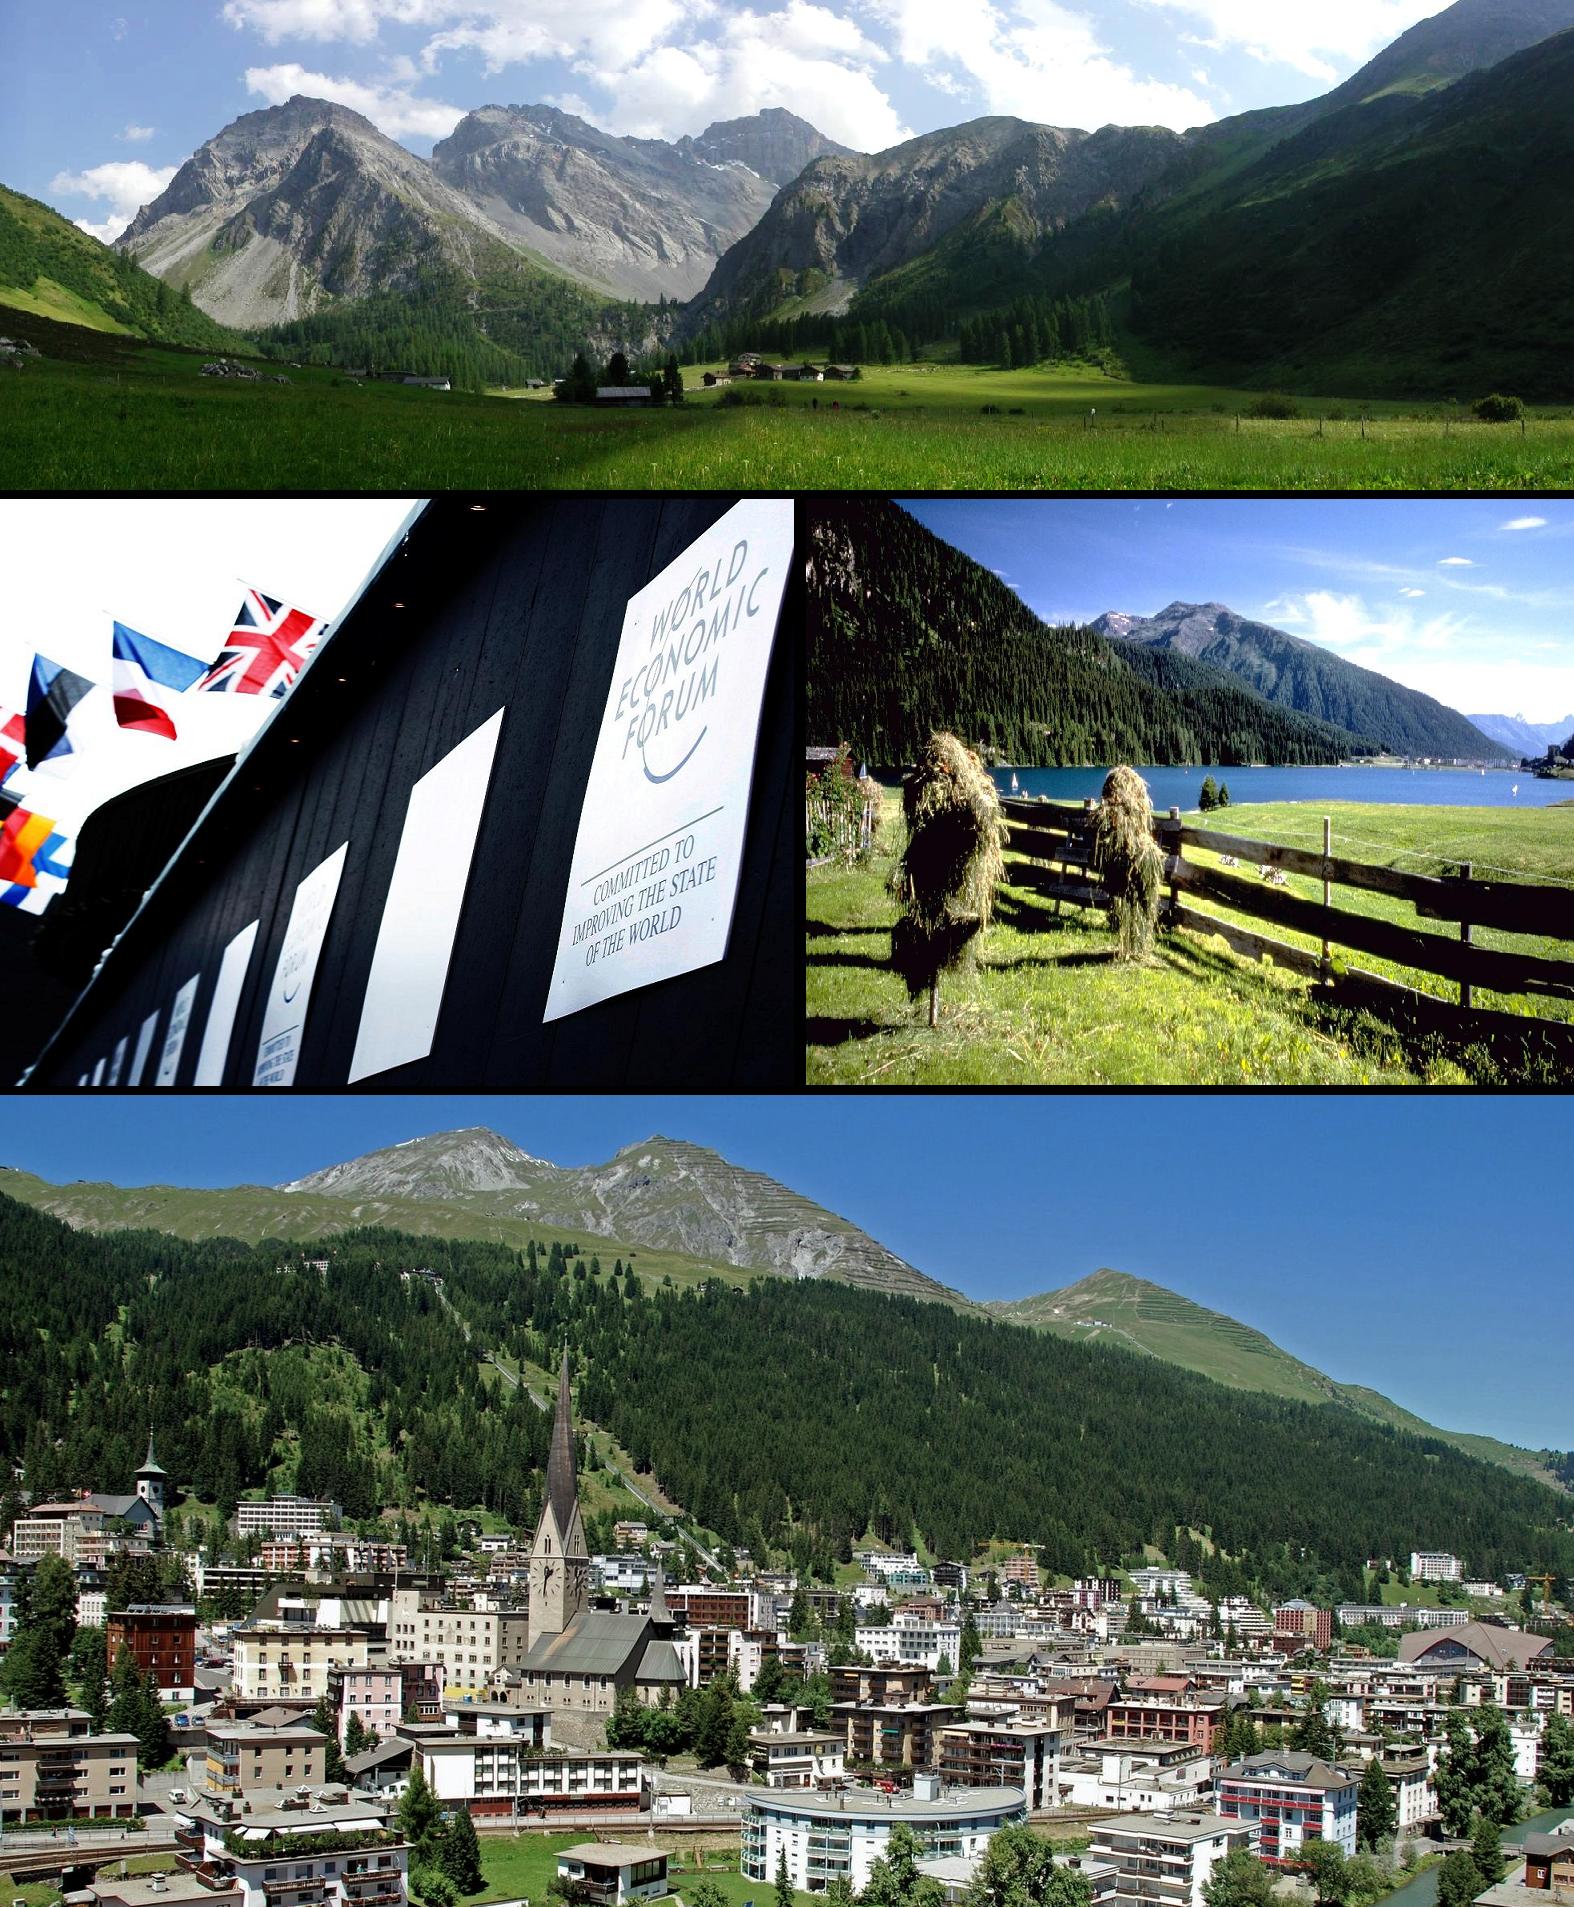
{"x": 559, "y": 1556}
{"x": 562, "y": 1492}
{"x": 151, "y": 1479}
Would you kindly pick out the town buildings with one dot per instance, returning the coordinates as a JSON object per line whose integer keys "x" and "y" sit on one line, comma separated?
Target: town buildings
{"x": 841, "y": 1836}
{"x": 1166, "y": 1860}
{"x": 161, "y": 1638}
{"x": 54, "y": 1768}
{"x": 285, "y": 1516}
{"x": 1292, "y": 1798}
{"x": 293, "y": 1855}
{"x": 245, "y": 1756}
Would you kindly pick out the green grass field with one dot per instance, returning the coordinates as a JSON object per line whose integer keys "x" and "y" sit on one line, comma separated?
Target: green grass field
{"x": 104, "y": 413}
{"x": 519, "y": 1866}
{"x": 1046, "y": 1003}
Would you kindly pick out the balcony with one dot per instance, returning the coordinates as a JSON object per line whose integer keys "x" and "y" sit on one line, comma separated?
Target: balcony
{"x": 217, "y": 1875}
{"x": 313, "y": 1886}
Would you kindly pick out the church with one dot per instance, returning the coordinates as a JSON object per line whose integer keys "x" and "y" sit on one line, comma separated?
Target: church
{"x": 581, "y": 1659}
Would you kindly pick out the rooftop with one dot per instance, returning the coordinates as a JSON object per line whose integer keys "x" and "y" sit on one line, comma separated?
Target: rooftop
{"x": 873, "y": 1805}
{"x": 612, "y": 1853}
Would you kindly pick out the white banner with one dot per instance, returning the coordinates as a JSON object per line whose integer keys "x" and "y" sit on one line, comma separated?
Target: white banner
{"x": 175, "y": 1038}
{"x": 660, "y": 842}
{"x": 215, "y": 1047}
{"x": 284, "y": 1020}
{"x": 139, "y": 1058}
{"x": 415, "y": 942}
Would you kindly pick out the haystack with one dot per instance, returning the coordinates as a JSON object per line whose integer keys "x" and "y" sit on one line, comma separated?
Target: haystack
{"x": 1128, "y": 862}
{"x": 950, "y": 867}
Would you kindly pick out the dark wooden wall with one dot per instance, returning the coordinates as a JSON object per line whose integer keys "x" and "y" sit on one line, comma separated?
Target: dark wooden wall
{"x": 522, "y": 606}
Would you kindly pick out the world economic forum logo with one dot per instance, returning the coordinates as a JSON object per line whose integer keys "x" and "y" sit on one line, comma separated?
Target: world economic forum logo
{"x": 665, "y": 704}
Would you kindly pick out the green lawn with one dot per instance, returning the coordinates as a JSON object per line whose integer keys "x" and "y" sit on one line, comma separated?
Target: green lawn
{"x": 521, "y": 1865}
{"x": 129, "y": 416}
{"x": 1047, "y": 1004}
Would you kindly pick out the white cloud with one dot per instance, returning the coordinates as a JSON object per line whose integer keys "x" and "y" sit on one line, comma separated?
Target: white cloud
{"x": 355, "y": 21}
{"x": 124, "y": 185}
{"x": 138, "y": 135}
{"x": 1036, "y": 59}
{"x": 1412, "y": 592}
{"x": 1527, "y": 523}
{"x": 1319, "y": 38}
{"x": 392, "y": 108}
{"x": 755, "y": 61}
{"x": 1455, "y": 562}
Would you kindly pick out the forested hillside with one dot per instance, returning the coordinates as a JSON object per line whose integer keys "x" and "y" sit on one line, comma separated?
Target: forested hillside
{"x": 788, "y": 1416}
{"x": 53, "y": 268}
{"x": 906, "y": 635}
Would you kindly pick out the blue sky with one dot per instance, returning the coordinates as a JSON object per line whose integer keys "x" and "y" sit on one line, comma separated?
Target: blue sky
{"x": 101, "y": 99}
{"x": 1415, "y": 1245}
{"x": 1469, "y": 600}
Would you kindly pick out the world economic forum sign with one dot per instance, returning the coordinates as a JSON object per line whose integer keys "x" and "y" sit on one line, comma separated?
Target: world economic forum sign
{"x": 660, "y": 842}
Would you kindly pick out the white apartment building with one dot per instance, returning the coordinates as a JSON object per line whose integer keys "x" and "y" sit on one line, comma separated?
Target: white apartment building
{"x": 841, "y": 1836}
{"x": 291, "y": 1661}
{"x": 908, "y": 1641}
{"x": 473, "y": 1645}
{"x": 508, "y": 1776}
{"x": 1167, "y": 1778}
{"x": 355, "y": 1858}
{"x": 285, "y": 1516}
{"x": 1165, "y": 1860}
{"x": 1435, "y": 1566}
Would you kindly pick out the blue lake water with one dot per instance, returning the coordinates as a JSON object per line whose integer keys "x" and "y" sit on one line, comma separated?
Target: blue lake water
{"x": 1424, "y": 787}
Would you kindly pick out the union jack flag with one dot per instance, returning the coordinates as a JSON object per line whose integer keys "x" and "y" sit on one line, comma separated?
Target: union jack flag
{"x": 264, "y": 651}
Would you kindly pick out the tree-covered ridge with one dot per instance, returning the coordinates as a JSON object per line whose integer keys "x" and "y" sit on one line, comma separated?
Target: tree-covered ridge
{"x": 788, "y": 1416}
{"x": 517, "y": 323}
{"x": 253, "y": 1365}
{"x": 36, "y": 242}
{"x": 906, "y": 635}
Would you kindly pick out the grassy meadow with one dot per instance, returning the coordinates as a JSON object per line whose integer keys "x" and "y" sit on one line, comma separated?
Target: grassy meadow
{"x": 100, "y": 412}
{"x": 1046, "y": 1004}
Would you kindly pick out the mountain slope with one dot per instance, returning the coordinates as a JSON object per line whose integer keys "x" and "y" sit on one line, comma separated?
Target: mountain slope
{"x": 1296, "y": 674}
{"x": 688, "y": 1209}
{"x": 339, "y": 1368}
{"x": 906, "y": 635}
{"x": 640, "y": 218}
{"x": 660, "y": 1192}
{"x": 294, "y": 206}
{"x": 54, "y": 270}
{"x": 1112, "y": 1307}
{"x": 1373, "y": 248}
{"x": 1522, "y": 737}
{"x": 848, "y": 219}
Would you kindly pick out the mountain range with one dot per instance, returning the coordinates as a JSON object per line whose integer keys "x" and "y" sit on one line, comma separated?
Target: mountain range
{"x": 692, "y": 1214}
{"x": 1525, "y": 738}
{"x": 1364, "y": 240}
{"x": 295, "y": 206}
{"x": 1367, "y": 235}
{"x": 907, "y": 634}
{"x": 1293, "y": 673}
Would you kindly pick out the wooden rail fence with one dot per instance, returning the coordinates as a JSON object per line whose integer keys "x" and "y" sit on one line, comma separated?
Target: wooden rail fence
{"x": 852, "y": 828}
{"x": 1059, "y": 841}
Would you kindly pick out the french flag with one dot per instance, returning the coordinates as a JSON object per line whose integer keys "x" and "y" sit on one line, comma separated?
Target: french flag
{"x": 143, "y": 670}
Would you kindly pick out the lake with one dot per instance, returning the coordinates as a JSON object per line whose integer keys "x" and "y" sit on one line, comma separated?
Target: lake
{"x": 1422, "y": 787}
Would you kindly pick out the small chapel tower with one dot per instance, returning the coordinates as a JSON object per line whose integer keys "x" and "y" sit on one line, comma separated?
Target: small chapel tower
{"x": 151, "y": 1479}
{"x": 559, "y": 1560}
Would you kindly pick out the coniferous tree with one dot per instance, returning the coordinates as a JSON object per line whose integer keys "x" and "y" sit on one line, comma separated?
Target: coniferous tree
{"x": 460, "y": 1853}
{"x": 1377, "y": 1813}
{"x": 1557, "y": 1761}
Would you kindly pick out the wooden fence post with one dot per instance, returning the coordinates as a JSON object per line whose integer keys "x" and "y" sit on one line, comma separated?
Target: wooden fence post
{"x": 1169, "y": 837}
{"x": 1464, "y": 935}
{"x": 1328, "y": 891}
